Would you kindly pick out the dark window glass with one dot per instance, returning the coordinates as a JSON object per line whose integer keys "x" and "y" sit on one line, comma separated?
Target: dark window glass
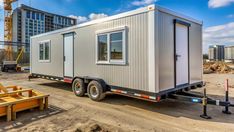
{"x": 42, "y": 17}
{"x": 116, "y": 46}
{"x": 47, "y": 51}
{"x": 59, "y": 20}
{"x": 102, "y": 48}
{"x": 33, "y": 15}
{"x": 41, "y": 52}
{"x": 38, "y": 16}
{"x": 28, "y": 14}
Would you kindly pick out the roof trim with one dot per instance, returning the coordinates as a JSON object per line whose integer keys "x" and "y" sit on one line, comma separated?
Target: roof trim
{"x": 171, "y": 12}
{"x": 121, "y": 15}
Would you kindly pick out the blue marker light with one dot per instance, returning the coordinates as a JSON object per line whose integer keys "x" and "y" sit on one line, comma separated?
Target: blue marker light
{"x": 195, "y": 100}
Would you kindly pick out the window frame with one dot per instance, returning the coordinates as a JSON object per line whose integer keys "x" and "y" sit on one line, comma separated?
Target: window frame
{"x": 43, "y": 43}
{"x": 108, "y": 32}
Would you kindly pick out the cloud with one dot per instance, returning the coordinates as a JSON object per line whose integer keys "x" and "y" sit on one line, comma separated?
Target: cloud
{"x": 80, "y": 19}
{"x": 221, "y": 34}
{"x": 1, "y": 4}
{"x": 92, "y": 16}
{"x": 219, "y": 3}
{"x": 143, "y": 2}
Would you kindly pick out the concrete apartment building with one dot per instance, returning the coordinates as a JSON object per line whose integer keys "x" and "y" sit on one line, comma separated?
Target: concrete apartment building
{"x": 216, "y": 52}
{"x": 28, "y": 21}
{"x": 229, "y": 53}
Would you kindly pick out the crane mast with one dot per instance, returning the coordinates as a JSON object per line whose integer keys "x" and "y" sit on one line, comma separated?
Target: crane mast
{"x": 8, "y": 33}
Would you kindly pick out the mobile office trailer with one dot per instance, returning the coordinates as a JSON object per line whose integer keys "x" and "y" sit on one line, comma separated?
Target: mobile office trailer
{"x": 147, "y": 53}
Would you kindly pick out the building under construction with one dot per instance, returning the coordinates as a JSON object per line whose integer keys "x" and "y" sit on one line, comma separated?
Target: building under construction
{"x": 28, "y": 21}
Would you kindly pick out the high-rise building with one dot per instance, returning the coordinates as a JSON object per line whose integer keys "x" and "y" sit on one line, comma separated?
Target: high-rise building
{"x": 229, "y": 53}
{"x": 216, "y": 52}
{"x": 28, "y": 21}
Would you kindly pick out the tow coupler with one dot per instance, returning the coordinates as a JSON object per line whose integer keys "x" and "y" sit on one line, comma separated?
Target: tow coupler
{"x": 204, "y": 100}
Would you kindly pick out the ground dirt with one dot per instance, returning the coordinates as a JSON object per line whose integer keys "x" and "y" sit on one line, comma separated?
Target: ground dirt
{"x": 117, "y": 113}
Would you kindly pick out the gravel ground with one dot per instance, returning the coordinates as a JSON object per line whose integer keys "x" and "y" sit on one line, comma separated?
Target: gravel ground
{"x": 117, "y": 113}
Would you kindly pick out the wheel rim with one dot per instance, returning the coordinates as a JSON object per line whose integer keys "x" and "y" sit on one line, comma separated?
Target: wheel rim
{"x": 94, "y": 91}
{"x": 77, "y": 88}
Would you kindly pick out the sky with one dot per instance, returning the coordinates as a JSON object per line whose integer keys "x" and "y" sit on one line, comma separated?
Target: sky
{"x": 217, "y": 15}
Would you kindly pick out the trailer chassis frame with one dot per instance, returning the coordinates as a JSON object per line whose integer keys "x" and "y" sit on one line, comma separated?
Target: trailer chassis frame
{"x": 204, "y": 100}
{"x": 179, "y": 93}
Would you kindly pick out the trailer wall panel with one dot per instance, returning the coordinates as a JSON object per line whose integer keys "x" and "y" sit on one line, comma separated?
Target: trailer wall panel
{"x": 195, "y": 51}
{"x": 166, "y": 52}
{"x": 55, "y": 66}
{"x": 134, "y": 75}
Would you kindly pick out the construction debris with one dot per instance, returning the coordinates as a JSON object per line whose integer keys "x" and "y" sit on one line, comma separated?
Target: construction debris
{"x": 217, "y": 67}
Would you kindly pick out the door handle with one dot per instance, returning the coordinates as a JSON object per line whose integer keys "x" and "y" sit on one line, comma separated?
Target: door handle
{"x": 176, "y": 56}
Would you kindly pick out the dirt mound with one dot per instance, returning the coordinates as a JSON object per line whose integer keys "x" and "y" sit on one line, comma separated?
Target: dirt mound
{"x": 217, "y": 67}
{"x": 93, "y": 126}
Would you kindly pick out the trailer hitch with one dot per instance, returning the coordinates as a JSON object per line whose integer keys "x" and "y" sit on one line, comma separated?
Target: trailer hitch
{"x": 205, "y": 100}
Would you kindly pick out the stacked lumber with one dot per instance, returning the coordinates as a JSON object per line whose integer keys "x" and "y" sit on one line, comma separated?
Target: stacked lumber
{"x": 14, "y": 99}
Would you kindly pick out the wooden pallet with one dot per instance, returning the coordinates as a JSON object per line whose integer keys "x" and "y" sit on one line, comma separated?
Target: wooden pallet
{"x": 14, "y": 99}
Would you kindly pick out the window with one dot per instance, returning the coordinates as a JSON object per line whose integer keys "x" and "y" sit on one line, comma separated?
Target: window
{"x": 72, "y": 22}
{"x": 59, "y": 20}
{"x": 42, "y": 17}
{"x": 28, "y": 14}
{"x": 116, "y": 46}
{"x": 102, "y": 48}
{"x": 66, "y": 22}
{"x": 111, "y": 46}
{"x": 38, "y": 16}
{"x": 44, "y": 51}
{"x": 33, "y": 15}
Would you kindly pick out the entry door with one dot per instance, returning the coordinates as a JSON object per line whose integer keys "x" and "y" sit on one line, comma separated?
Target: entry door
{"x": 182, "y": 70}
{"x": 68, "y": 55}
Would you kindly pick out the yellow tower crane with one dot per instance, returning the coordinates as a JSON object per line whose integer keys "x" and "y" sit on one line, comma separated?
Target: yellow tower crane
{"x": 9, "y": 62}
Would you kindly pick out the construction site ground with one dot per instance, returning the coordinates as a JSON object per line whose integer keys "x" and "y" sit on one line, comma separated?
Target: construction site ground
{"x": 117, "y": 113}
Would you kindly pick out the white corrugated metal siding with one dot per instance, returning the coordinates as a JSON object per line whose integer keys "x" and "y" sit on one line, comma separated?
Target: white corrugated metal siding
{"x": 133, "y": 75}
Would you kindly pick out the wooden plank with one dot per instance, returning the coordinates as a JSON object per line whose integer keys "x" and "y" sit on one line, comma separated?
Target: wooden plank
{"x": 16, "y": 92}
{"x": 30, "y": 94}
{"x": 3, "y": 111}
{"x": 23, "y": 100}
{"x": 3, "y": 88}
{"x": 46, "y": 102}
{"x": 26, "y": 105}
{"x": 13, "y": 113}
{"x": 9, "y": 108}
{"x": 41, "y": 104}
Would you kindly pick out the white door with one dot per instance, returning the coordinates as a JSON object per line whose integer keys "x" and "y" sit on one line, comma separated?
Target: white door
{"x": 182, "y": 70}
{"x": 68, "y": 55}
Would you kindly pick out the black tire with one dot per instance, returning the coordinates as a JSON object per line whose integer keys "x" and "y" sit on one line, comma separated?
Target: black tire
{"x": 78, "y": 87}
{"x": 4, "y": 69}
{"x": 95, "y": 91}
